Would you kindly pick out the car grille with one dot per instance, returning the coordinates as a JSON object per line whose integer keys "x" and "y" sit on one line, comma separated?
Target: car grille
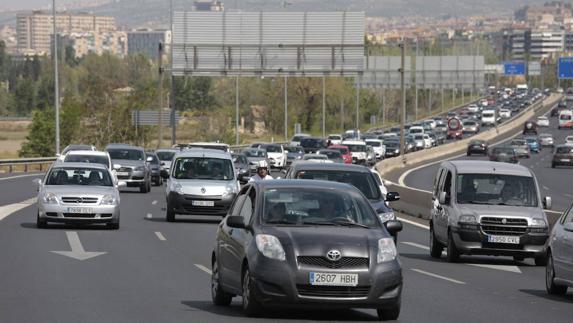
{"x": 344, "y": 262}
{"x": 333, "y": 291}
{"x": 495, "y": 226}
{"x": 205, "y": 210}
{"x": 79, "y": 200}
{"x": 79, "y": 215}
{"x": 125, "y": 169}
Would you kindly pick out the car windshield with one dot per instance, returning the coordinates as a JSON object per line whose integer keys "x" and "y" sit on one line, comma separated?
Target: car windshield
{"x": 496, "y": 190}
{"x": 76, "y": 147}
{"x": 487, "y": 115}
{"x": 126, "y": 154}
{"x": 331, "y": 154}
{"x": 308, "y": 157}
{"x": 310, "y": 206}
{"x": 356, "y": 148}
{"x": 240, "y": 159}
{"x": 255, "y": 153}
{"x": 154, "y": 158}
{"x": 292, "y": 149}
{"x": 203, "y": 168}
{"x": 87, "y": 159}
{"x": 518, "y": 142}
{"x": 374, "y": 143}
{"x": 361, "y": 180}
{"x": 79, "y": 176}
{"x": 298, "y": 138}
{"x": 273, "y": 149}
{"x": 565, "y": 117}
{"x": 165, "y": 155}
{"x": 416, "y": 130}
{"x": 311, "y": 143}
{"x": 335, "y": 137}
{"x": 531, "y": 140}
{"x": 564, "y": 150}
{"x": 503, "y": 150}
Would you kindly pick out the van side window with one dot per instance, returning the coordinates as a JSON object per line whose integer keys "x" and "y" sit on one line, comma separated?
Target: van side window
{"x": 448, "y": 184}
{"x": 568, "y": 217}
{"x": 249, "y": 206}
{"x": 437, "y": 181}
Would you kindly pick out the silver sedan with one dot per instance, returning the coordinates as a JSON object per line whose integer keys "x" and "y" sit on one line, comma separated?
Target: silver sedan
{"x": 78, "y": 193}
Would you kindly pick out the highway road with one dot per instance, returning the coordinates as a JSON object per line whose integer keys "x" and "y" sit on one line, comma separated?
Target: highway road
{"x": 554, "y": 182}
{"x": 151, "y": 270}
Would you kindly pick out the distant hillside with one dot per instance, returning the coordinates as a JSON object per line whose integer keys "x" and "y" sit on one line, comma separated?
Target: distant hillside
{"x": 139, "y": 13}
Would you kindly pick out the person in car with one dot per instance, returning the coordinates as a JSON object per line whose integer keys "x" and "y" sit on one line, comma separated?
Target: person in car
{"x": 277, "y": 213}
{"x": 262, "y": 172}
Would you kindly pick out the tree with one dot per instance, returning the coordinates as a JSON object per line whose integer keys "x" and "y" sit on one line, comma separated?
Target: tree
{"x": 24, "y": 96}
{"x": 193, "y": 93}
{"x": 41, "y": 138}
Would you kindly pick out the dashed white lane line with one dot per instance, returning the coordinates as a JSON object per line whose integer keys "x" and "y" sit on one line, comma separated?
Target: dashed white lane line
{"x": 154, "y": 202}
{"x": 20, "y": 176}
{"x": 7, "y": 210}
{"x": 416, "y": 245}
{"x": 545, "y": 187}
{"x": 568, "y": 195}
{"x": 204, "y": 269}
{"x": 451, "y": 280}
{"x": 160, "y": 236}
{"x": 416, "y": 224}
{"x": 149, "y": 215}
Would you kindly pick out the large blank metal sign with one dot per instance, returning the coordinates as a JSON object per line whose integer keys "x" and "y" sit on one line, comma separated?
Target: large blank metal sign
{"x": 384, "y": 72}
{"x": 450, "y": 72}
{"x": 268, "y": 43}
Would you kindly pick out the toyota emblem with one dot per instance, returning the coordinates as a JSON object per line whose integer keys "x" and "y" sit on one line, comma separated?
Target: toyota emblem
{"x": 203, "y": 190}
{"x": 333, "y": 255}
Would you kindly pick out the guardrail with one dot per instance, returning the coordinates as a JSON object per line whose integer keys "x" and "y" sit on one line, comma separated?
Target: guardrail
{"x": 26, "y": 164}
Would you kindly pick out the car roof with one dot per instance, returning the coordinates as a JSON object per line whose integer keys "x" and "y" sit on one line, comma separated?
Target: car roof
{"x": 304, "y": 183}
{"x": 79, "y": 165}
{"x": 208, "y": 144}
{"x": 122, "y": 146}
{"x": 353, "y": 142}
{"x": 200, "y": 152}
{"x": 333, "y": 167}
{"x": 166, "y": 150}
{"x": 88, "y": 153}
{"x": 488, "y": 167}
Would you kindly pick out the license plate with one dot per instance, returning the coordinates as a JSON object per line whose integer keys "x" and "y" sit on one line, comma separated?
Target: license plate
{"x": 203, "y": 203}
{"x": 82, "y": 210}
{"x": 503, "y": 239}
{"x": 333, "y": 279}
{"x": 122, "y": 174}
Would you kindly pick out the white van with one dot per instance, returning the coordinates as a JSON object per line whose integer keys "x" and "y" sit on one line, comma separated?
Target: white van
{"x": 488, "y": 118}
{"x": 416, "y": 130}
{"x": 565, "y": 119}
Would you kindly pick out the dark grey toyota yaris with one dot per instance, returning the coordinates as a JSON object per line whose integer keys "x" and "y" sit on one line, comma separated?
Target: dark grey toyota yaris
{"x": 306, "y": 244}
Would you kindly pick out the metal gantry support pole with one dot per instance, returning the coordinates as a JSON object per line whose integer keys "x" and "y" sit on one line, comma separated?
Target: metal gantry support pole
{"x": 383, "y": 106}
{"x": 286, "y": 108}
{"x": 172, "y": 81}
{"x": 403, "y": 103}
{"x": 160, "y": 62}
{"x": 323, "y": 106}
{"x": 358, "y": 103}
{"x": 56, "y": 78}
{"x": 237, "y": 110}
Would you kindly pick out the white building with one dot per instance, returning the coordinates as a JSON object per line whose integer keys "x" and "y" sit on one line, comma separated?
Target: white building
{"x": 147, "y": 42}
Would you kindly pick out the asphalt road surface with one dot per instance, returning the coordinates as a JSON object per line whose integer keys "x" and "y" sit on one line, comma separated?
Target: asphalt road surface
{"x": 154, "y": 271}
{"x": 554, "y": 182}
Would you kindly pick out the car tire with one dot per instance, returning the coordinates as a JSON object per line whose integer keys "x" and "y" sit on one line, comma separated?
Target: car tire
{"x": 550, "y": 286}
{"x": 389, "y": 313}
{"x": 113, "y": 225}
{"x": 218, "y": 295}
{"x": 453, "y": 255}
{"x": 169, "y": 214}
{"x": 251, "y": 306}
{"x": 469, "y": 154}
{"x": 553, "y": 165}
{"x": 41, "y": 224}
{"x": 143, "y": 188}
{"x": 541, "y": 261}
{"x": 436, "y": 247}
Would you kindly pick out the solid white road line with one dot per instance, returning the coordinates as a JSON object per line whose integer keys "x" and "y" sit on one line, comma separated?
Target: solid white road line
{"x": 511, "y": 269}
{"x": 9, "y": 209}
{"x": 203, "y": 268}
{"x": 423, "y": 272}
{"x": 19, "y": 176}
{"x": 415, "y": 245}
{"x": 154, "y": 202}
{"x": 160, "y": 236}
{"x": 416, "y": 224}
{"x": 149, "y": 215}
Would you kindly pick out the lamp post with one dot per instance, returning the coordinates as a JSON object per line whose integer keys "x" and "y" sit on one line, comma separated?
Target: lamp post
{"x": 56, "y": 79}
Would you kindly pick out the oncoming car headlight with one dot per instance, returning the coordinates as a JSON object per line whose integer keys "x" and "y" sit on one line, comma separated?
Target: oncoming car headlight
{"x": 270, "y": 247}
{"x": 139, "y": 168}
{"x": 50, "y": 198}
{"x": 177, "y": 188}
{"x": 387, "y": 216}
{"x": 386, "y": 250}
{"x": 108, "y": 200}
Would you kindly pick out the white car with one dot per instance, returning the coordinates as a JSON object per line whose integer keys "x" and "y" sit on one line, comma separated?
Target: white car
{"x": 276, "y": 155}
{"x": 317, "y": 158}
{"x": 569, "y": 140}
{"x": 335, "y": 139}
{"x": 91, "y": 157}
{"x": 415, "y": 130}
{"x": 543, "y": 121}
{"x": 378, "y": 146}
{"x": 423, "y": 141}
{"x": 473, "y": 108}
{"x": 358, "y": 150}
{"x": 504, "y": 113}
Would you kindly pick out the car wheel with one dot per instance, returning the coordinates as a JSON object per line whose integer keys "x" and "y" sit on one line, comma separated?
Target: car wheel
{"x": 113, "y": 225}
{"x": 251, "y": 306}
{"x": 469, "y": 154}
{"x": 218, "y": 295}
{"x": 169, "y": 214}
{"x": 552, "y": 165}
{"x": 41, "y": 224}
{"x": 550, "y": 285}
{"x": 389, "y": 313}
{"x": 143, "y": 188}
{"x": 541, "y": 261}
{"x": 453, "y": 255}
{"x": 435, "y": 246}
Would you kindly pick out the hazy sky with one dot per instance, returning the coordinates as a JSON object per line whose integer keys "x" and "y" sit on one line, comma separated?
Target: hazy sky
{"x": 33, "y": 4}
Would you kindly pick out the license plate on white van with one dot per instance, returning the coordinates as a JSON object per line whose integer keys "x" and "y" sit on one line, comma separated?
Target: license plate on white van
{"x": 203, "y": 203}
{"x": 333, "y": 279}
{"x": 503, "y": 239}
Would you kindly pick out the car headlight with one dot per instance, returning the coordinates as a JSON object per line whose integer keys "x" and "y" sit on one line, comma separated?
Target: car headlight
{"x": 386, "y": 250}
{"x": 538, "y": 223}
{"x": 139, "y": 168}
{"x": 270, "y": 247}
{"x": 299, "y": 157}
{"x": 387, "y": 216}
{"x": 468, "y": 219}
{"x": 230, "y": 190}
{"x": 50, "y": 198}
{"x": 177, "y": 188}
{"x": 108, "y": 200}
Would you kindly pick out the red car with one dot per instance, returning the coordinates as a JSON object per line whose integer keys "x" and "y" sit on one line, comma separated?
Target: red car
{"x": 455, "y": 127}
{"x": 346, "y": 154}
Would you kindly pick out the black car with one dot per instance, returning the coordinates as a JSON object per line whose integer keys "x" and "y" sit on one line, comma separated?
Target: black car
{"x": 155, "y": 168}
{"x": 477, "y": 147}
{"x": 333, "y": 155}
{"x": 359, "y": 176}
{"x": 392, "y": 148}
{"x": 242, "y": 166}
{"x": 530, "y": 128}
{"x": 503, "y": 154}
{"x": 312, "y": 145}
{"x": 296, "y": 243}
{"x": 294, "y": 153}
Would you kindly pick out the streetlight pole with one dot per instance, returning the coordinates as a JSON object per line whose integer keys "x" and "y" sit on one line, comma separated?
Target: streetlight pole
{"x": 403, "y": 108}
{"x": 323, "y": 106}
{"x": 56, "y": 78}
{"x": 286, "y": 108}
{"x": 171, "y": 80}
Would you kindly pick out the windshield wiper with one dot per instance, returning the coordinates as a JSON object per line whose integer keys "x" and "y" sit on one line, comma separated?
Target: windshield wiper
{"x": 477, "y": 202}
{"x": 280, "y": 222}
{"x": 349, "y": 223}
{"x": 318, "y": 222}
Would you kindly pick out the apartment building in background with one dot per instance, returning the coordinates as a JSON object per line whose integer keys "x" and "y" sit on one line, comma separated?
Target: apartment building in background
{"x": 146, "y": 41}
{"x": 34, "y": 29}
{"x": 114, "y": 42}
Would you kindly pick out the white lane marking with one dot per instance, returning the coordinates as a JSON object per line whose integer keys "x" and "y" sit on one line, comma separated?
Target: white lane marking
{"x": 78, "y": 252}
{"x": 415, "y": 245}
{"x": 511, "y": 269}
{"x": 19, "y": 176}
{"x": 149, "y": 215}
{"x": 423, "y": 272}
{"x": 568, "y": 195}
{"x": 545, "y": 187}
{"x": 203, "y": 268}
{"x": 154, "y": 202}
{"x": 9, "y": 209}
{"x": 416, "y": 224}
{"x": 160, "y": 236}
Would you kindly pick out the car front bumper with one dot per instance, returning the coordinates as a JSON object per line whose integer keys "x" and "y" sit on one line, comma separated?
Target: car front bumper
{"x": 475, "y": 242}
{"x": 184, "y": 204}
{"x": 279, "y": 284}
{"x": 65, "y": 213}
{"x": 134, "y": 178}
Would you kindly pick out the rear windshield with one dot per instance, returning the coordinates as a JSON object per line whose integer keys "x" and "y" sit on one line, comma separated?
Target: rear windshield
{"x": 292, "y": 149}
{"x": 503, "y": 150}
{"x": 240, "y": 159}
{"x": 342, "y": 150}
{"x": 87, "y": 159}
{"x": 165, "y": 155}
{"x": 126, "y": 154}
{"x": 374, "y": 143}
{"x": 273, "y": 149}
{"x": 565, "y": 117}
{"x": 255, "y": 153}
{"x": 356, "y": 148}
{"x": 331, "y": 154}
{"x": 487, "y": 115}
{"x": 564, "y": 150}
{"x": 415, "y": 130}
{"x": 311, "y": 143}
{"x": 79, "y": 176}
{"x": 363, "y": 181}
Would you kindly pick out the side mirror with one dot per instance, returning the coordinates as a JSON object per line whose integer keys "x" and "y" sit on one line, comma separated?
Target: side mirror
{"x": 121, "y": 184}
{"x": 116, "y": 166}
{"x": 393, "y": 226}
{"x": 58, "y": 155}
{"x": 392, "y": 196}
{"x": 236, "y": 222}
{"x": 149, "y": 159}
{"x": 568, "y": 227}
{"x": 37, "y": 182}
{"x": 164, "y": 174}
{"x": 547, "y": 203}
{"x": 444, "y": 198}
